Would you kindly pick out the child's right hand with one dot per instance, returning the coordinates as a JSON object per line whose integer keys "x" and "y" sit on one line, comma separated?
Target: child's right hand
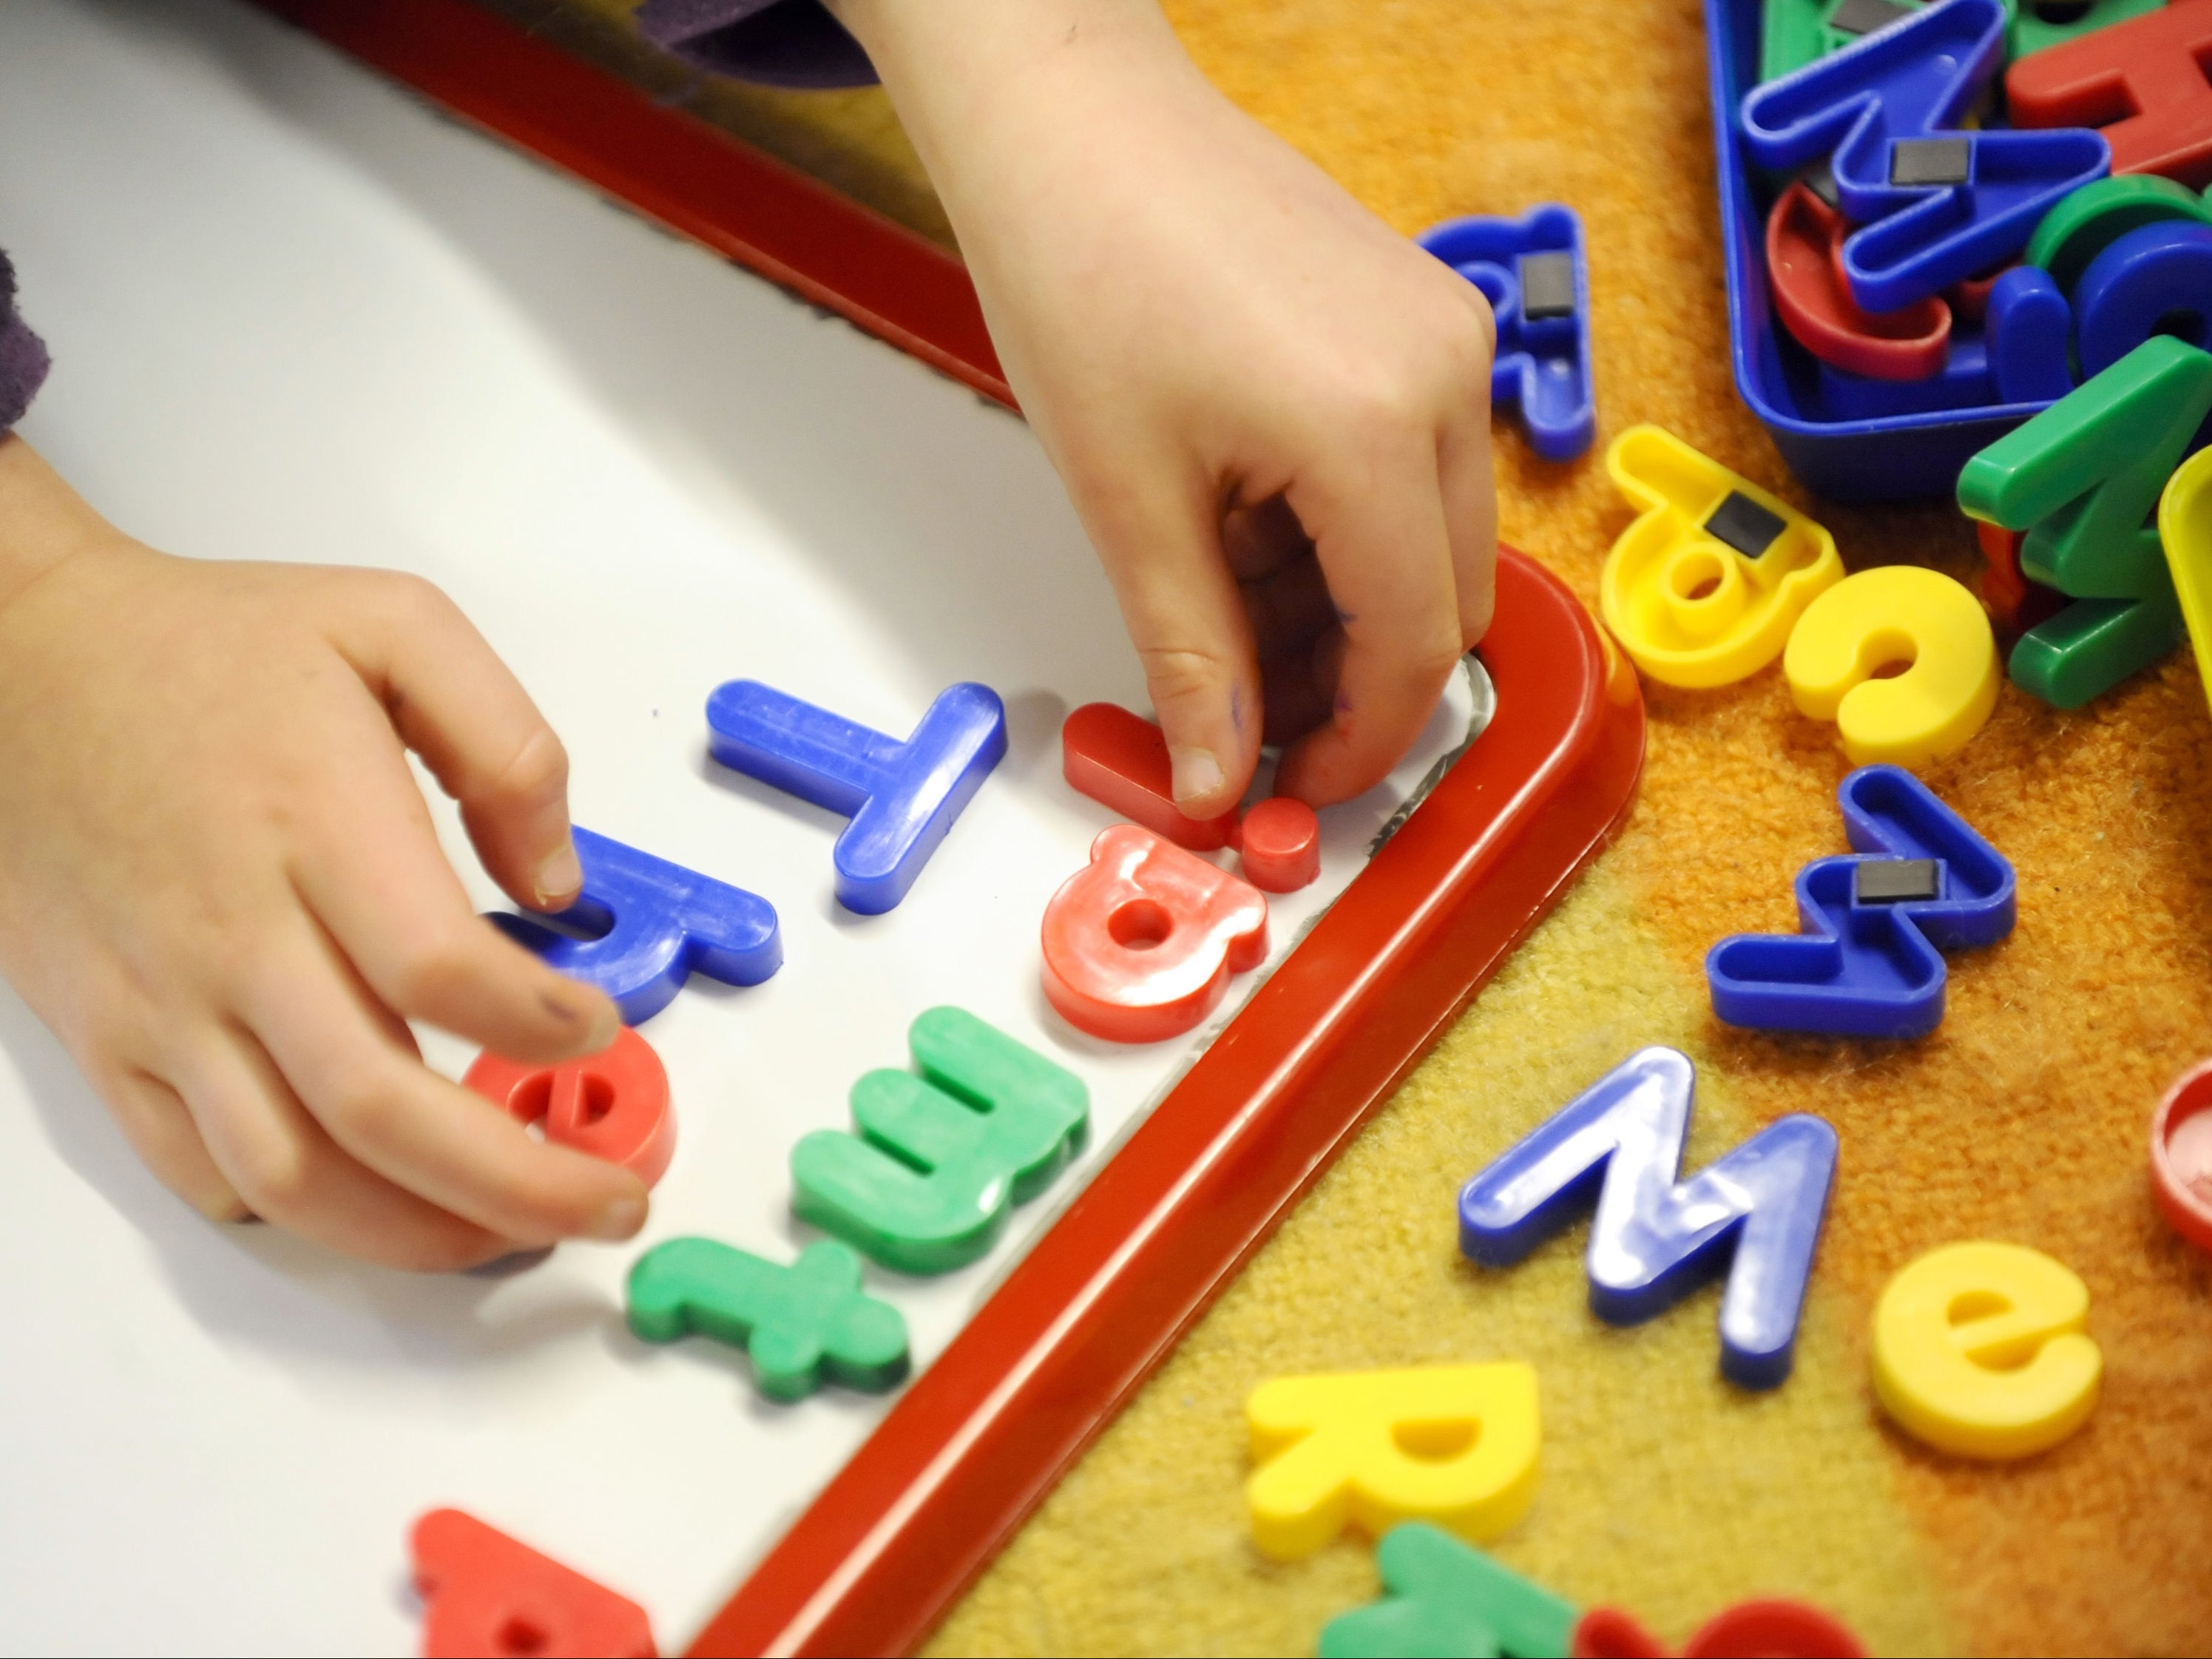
{"x": 221, "y": 886}
{"x": 1271, "y": 410}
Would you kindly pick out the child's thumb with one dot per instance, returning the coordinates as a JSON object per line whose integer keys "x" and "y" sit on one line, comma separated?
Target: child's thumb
{"x": 1185, "y": 617}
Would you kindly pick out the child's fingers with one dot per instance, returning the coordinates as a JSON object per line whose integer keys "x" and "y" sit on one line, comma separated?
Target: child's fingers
{"x": 1184, "y": 615}
{"x": 290, "y": 1172}
{"x": 432, "y": 1137}
{"x": 1470, "y": 496}
{"x": 373, "y": 875}
{"x": 455, "y": 703}
{"x": 1300, "y": 687}
{"x": 158, "y": 1126}
{"x": 1377, "y": 521}
{"x": 1259, "y": 540}
{"x": 1288, "y": 609}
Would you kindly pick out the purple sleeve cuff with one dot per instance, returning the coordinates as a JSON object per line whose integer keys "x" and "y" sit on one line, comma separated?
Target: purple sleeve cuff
{"x": 23, "y": 354}
{"x": 775, "y": 43}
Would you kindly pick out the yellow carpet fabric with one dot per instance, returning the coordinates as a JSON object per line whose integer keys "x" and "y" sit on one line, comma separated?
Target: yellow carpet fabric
{"x": 1665, "y": 1490}
{"x": 2023, "y": 1118}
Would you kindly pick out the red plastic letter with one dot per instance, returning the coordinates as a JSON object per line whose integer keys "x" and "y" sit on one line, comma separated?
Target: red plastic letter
{"x": 2141, "y": 81}
{"x": 1776, "y": 1627}
{"x": 485, "y": 1593}
{"x": 1609, "y": 1634}
{"x": 1282, "y": 845}
{"x": 1804, "y": 264}
{"x": 1138, "y": 945}
{"x": 2015, "y": 604}
{"x": 1121, "y": 761}
{"x": 613, "y": 1104}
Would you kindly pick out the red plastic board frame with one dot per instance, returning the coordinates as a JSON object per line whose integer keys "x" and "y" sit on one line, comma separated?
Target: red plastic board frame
{"x": 692, "y": 178}
{"x": 974, "y": 1445}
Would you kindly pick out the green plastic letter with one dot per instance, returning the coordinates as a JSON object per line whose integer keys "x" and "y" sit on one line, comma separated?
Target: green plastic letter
{"x": 1796, "y": 32}
{"x": 2083, "y": 478}
{"x": 1443, "y": 1599}
{"x": 941, "y": 1159}
{"x": 799, "y": 1323}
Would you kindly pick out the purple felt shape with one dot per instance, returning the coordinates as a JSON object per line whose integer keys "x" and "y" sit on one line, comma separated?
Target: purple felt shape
{"x": 23, "y": 360}
{"x": 776, "y": 43}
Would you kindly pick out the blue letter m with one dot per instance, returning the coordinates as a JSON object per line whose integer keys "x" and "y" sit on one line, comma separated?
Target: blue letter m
{"x": 1756, "y": 1213}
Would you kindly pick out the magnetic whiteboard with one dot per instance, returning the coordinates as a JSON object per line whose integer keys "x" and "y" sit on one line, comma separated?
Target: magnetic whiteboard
{"x": 297, "y": 315}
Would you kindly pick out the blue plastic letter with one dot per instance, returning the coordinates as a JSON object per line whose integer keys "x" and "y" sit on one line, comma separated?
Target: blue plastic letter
{"x": 2156, "y": 279}
{"x": 2029, "y": 327}
{"x": 2018, "y": 355}
{"x": 1542, "y": 367}
{"x": 900, "y": 797}
{"x": 658, "y": 924}
{"x": 1757, "y": 1212}
{"x": 1936, "y": 203}
{"x": 1867, "y": 963}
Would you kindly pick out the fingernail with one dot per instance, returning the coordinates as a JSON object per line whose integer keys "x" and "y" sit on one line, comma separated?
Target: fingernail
{"x": 559, "y": 874}
{"x": 606, "y": 1027}
{"x": 620, "y": 1220}
{"x": 1196, "y": 772}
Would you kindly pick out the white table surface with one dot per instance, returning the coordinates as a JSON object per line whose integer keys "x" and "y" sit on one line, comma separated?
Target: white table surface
{"x": 295, "y": 315}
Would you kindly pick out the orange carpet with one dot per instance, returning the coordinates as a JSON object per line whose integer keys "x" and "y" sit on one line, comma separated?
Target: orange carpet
{"x": 2022, "y": 1118}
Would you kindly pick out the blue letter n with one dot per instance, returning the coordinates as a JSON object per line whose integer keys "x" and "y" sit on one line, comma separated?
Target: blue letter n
{"x": 1755, "y": 1214}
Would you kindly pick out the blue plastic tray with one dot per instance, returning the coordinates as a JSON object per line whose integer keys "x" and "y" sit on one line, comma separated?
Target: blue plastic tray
{"x": 1895, "y": 458}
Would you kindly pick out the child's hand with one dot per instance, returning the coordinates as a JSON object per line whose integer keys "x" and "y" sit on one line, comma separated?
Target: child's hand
{"x": 221, "y": 886}
{"x": 1271, "y": 410}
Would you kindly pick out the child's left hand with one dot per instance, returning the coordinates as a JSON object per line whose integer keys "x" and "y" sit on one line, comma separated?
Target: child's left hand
{"x": 220, "y": 887}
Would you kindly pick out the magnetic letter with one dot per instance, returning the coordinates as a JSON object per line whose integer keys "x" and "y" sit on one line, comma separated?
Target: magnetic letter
{"x": 1440, "y": 1595}
{"x": 2082, "y": 478}
{"x": 1139, "y": 944}
{"x": 1773, "y": 1625}
{"x": 1896, "y": 613}
{"x": 2184, "y": 526}
{"x": 1650, "y": 1240}
{"x": 2015, "y": 604}
{"x": 2141, "y": 81}
{"x": 1703, "y": 588}
{"x": 484, "y": 1594}
{"x": 1868, "y": 961}
{"x": 657, "y": 925}
{"x": 1282, "y": 845}
{"x": 613, "y": 1105}
{"x": 1534, "y": 272}
{"x": 798, "y": 1324}
{"x": 1805, "y": 240}
{"x": 1454, "y": 1444}
{"x": 1935, "y": 203}
{"x": 1121, "y": 761}
{"x": 941, "y": 1159}
{"x": 1793, "y": 32}
{"x": 1978, "y": 1350}
{"x": 900, "y": 797}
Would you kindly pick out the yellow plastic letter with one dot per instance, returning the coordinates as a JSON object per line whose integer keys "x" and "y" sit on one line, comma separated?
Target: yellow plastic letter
{"x": 1978, "y": 1350}
{"x": 1703, "y": 588}
{"x": 1898, "y": 613}
{"x": 2185, "y": 528}
{"x": 1454, "y": 1444}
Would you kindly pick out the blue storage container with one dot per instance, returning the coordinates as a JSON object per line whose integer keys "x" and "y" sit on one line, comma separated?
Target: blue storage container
{"x": 1894, "y": 457}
